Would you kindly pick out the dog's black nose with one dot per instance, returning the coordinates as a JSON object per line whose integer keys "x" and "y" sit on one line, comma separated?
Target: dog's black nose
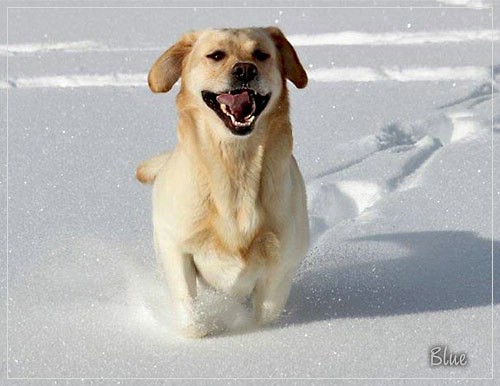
{"x": 244, "y": 72}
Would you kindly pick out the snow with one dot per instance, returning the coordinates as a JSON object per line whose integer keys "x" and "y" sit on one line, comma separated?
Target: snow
{"x": 354, "y": 38}
{"x": 393, "y": 136}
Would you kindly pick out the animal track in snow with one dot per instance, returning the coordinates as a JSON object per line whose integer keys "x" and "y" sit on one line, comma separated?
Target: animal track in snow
{"x": 349, "y": 74}
{"x": 82, "y": 80}
{"x": 342, "y": 38}
{"x": 412, "y": 74}
{"x": 480, "y": 94}
{"x": 390, "y": 161}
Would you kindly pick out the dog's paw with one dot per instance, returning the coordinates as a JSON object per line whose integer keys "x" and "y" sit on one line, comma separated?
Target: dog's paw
{"x": 267, "y": 314}
{"x": 193, "y": 331}
{"x": 267, "y": 319}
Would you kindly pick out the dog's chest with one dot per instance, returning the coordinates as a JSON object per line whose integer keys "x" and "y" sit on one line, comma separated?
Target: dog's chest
{"x": 241, "y": 222}
{"x": 233, "y": 210}
{"x": 225, "y": 259}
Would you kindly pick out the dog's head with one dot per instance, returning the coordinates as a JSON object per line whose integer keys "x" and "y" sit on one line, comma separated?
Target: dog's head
{"x": 237, "y": 74}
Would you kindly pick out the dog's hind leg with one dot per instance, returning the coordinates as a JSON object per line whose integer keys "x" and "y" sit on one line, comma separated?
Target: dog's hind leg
{"x": 147, "y": 170}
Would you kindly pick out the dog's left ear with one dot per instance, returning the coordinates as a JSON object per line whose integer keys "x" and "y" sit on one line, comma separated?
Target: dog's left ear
{"x": 291, "y": 65}
{"x": 168, "y": 67}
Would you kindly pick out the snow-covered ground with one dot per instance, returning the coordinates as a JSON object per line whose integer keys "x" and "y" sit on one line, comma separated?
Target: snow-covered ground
{"x": 394, "y": 138}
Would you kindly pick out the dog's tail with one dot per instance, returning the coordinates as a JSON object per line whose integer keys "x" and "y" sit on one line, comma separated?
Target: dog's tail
{"x": 147, "y": 170}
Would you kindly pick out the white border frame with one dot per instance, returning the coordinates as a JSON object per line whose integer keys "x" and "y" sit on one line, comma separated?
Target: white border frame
{"x": 491, "y": 8}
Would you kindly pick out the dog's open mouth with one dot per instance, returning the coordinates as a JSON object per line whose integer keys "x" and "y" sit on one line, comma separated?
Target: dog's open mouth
{"x": 238, "y": 108}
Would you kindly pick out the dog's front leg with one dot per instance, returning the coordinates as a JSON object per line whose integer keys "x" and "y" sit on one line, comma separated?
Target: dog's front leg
{"x": 271, "y": 294}
{"x": 272, "y": 289}
{"x": 180, "y": 274}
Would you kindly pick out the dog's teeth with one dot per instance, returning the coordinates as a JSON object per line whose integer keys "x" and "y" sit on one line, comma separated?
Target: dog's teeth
{"x": 247, "y": 120}
{"x": 225, "y": 109}
{"x": 240, "y": 124}
{"x": 254, "y": 107}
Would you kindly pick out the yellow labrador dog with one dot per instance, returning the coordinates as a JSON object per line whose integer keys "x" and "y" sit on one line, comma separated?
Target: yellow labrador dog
{"x": 229, "y": 203}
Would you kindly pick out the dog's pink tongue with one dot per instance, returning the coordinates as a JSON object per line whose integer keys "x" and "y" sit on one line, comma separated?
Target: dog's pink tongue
{"x": 239, "y": 104}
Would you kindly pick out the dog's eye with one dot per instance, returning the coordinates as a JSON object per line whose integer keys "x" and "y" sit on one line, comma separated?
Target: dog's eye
{"x": 260, "y": 55}
{"x": 217, "y": 55}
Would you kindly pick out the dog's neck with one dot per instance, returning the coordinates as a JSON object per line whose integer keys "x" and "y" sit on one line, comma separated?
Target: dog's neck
{"x": 233, "y": 168}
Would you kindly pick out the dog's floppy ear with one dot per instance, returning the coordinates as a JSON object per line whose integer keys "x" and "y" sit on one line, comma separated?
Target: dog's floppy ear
{"x": 168, "y": 67}
{"x": 290, "y": 61}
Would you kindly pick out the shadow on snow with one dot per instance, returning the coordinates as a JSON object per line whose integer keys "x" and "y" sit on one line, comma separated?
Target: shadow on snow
{"x": 444, "y": 270}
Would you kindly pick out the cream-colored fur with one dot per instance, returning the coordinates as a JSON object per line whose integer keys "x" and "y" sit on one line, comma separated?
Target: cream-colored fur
{"x": 230, "y": 210}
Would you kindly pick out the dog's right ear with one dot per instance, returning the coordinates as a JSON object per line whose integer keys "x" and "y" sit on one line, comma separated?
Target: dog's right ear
{"x": 168, "y": 67}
